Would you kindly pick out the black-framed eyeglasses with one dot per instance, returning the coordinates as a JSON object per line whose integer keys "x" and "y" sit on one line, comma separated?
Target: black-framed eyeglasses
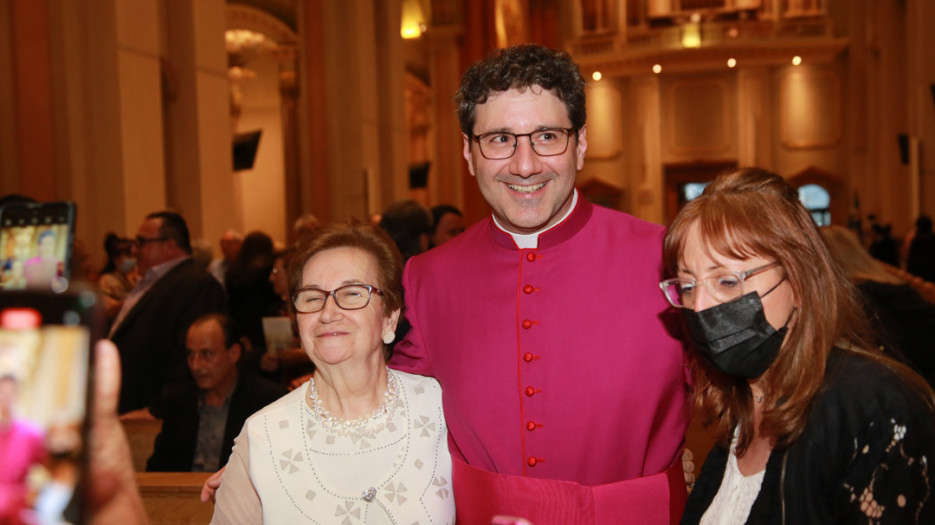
{"x": 348, "y": 297}
{"x": 723, "y": 287}
{"x": 139, "y": 241}
{"x": 499, "y": 145}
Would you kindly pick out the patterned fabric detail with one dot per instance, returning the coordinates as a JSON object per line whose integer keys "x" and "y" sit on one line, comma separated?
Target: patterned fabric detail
{"x": 887, "y": 484}
{"x": 399, "y": 475}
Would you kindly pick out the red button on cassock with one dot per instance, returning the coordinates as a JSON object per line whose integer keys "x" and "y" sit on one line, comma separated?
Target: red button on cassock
{"x": 530, "y": 391}
{"x": 528, "y": 289}
{"x": 531, "y": 426}
{"x": 530, "y": 257}
{"x": 528, "y": 357}
{"x": 532, "y": 461}
{"x": 527, "y": 324}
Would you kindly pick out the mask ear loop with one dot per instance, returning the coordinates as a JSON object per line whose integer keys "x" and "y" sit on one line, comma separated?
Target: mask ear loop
{"x": 794, "y": 308}
{"x": 774, "y": 287}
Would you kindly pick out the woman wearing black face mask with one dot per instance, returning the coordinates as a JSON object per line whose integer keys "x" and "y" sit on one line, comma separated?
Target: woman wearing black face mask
{"x": 813, "y": 424}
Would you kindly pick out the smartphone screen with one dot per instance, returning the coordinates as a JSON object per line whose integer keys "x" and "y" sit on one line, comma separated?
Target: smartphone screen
{"x": 35, "y": 244}
{"x": 45, "y": 359}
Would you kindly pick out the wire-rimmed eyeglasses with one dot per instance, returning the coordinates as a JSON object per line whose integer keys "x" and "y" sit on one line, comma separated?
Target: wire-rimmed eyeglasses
{"x": 348, "y": 297}
{"x": 499, "y": 145}
{"x": 722, "y": 287}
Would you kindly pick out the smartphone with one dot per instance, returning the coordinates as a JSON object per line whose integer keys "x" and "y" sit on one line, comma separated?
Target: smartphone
{"x": 35, "y": 245}
{"x": 45, "y": 365}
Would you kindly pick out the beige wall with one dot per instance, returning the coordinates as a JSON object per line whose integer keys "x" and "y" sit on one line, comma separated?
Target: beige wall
{"x": 262, "y": 189}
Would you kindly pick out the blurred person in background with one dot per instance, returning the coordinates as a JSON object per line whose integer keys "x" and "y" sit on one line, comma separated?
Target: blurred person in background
{"x": 249, "y": 290}
{"x": 409, "y": 225}
{"x": 230, "y": 242}
{"x": 902, "y": 321}
{"x": 119, "y": 275}
{"x": 447, "y": 221}
{"x": 921, "y": 258}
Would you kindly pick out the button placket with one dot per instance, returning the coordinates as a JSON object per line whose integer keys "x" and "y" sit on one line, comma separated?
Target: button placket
{"x": 528, "y": 290}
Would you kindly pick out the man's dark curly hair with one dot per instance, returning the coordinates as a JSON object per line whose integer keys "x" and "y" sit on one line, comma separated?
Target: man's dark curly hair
{"x": 520, "y": 67}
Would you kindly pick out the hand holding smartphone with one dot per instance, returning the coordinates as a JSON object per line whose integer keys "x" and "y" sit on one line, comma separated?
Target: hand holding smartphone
{"x": 45, "y": 362}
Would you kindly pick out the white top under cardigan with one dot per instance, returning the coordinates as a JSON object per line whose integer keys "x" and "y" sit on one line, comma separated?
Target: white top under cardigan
{"x": 735, "y": 497}
{"x": 285, "y": 468}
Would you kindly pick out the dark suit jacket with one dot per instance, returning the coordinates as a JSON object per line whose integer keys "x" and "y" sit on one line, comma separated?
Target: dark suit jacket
{"x": 175, "y": 445}
{"x": 151, "y": 338}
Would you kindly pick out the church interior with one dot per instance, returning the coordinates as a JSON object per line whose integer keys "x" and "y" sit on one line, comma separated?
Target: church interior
{"x": 131, "y": 107}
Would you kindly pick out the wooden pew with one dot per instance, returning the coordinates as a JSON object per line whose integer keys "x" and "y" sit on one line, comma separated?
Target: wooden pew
{"x": 141, "y": 434}
{"x": 173, "y": 498}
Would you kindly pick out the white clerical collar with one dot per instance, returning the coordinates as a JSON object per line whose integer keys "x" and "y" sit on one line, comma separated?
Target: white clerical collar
{"x": 531, "y": 240}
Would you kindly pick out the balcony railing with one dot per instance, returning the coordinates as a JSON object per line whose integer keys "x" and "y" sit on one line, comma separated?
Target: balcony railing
{"x": 716, "y": 33}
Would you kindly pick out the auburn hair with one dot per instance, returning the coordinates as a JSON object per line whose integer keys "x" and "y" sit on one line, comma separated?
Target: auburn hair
{"x": 751, "y": 212}
{"x": 355, "y": 234}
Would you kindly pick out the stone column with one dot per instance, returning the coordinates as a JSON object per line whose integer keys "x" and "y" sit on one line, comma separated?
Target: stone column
{"x": 199, "y": 172}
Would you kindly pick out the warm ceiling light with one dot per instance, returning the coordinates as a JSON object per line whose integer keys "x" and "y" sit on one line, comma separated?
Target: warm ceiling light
{"x": 691, "y": 36}
{"x": 657, "y": 68}
{"x": 796, "y": 60}
{"x": 413, "y": 20}
{"x": 596, "y": 75}
{"x": 731, "y": 62}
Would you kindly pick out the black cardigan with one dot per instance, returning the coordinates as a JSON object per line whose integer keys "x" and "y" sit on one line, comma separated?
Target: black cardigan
{"x": 868, "y": 436}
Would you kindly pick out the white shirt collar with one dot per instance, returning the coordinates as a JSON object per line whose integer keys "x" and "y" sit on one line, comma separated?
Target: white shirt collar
{"x": 531, "y": 240}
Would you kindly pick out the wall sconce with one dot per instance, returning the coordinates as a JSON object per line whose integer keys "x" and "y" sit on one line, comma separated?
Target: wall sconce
{"x": 691, "y": 32}
{"x": 413, "y": 22}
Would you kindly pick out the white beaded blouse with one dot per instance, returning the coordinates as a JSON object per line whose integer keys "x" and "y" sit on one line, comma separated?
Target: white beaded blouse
{"x": 290, "y": 466}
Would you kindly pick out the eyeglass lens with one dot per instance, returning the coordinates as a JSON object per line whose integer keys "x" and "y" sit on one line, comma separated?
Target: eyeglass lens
{"x": 350, "y": 297}
{"x": 724, "y": 287}
{"x": 502, "y": 145}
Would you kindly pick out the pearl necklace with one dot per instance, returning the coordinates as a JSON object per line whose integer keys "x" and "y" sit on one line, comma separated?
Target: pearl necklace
{"x": 361, "y": 426}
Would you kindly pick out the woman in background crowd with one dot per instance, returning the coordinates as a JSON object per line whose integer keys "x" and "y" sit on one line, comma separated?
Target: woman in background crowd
{"x": 814, "y": 424}
{"x": 290, "y": 365}
{"x": 119, "y": 275}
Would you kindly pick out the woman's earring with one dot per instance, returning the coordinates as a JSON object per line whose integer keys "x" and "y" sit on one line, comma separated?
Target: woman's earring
{"x": 388, "y": 338}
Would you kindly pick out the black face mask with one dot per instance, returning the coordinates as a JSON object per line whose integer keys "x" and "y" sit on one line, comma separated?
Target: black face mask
{"x": 735, "y": 337}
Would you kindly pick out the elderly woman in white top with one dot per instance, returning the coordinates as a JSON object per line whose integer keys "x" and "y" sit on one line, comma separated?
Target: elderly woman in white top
{"x": 358, "y": 443}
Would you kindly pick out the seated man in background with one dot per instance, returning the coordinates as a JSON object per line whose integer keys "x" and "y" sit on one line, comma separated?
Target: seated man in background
{"x": 201, "y": 419}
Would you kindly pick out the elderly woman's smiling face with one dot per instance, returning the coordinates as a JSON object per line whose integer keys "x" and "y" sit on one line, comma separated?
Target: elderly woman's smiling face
{"x": 334, "y": 336}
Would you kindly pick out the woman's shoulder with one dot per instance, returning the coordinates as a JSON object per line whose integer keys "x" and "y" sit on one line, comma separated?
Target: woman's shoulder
{"x": 422, "y": 390}
{"x": 867, "y": 387}
{"x": 417, "y": 381}
{"x": 286, "y": 402}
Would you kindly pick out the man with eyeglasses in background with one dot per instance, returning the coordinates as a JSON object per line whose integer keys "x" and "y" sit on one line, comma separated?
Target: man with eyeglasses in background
{"x": 151, "y": 326}
{"x": 565, "y": 395}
